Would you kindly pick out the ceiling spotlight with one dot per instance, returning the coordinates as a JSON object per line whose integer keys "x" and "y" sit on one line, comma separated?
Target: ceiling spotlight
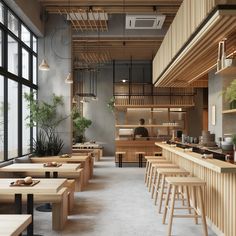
{"x": 124, "y": 80}
{"x": 95, "y": 98}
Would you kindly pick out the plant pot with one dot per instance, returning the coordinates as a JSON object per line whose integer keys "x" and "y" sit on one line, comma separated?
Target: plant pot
{"x": 79, "y": 139}
{"x": 232, "y": 105}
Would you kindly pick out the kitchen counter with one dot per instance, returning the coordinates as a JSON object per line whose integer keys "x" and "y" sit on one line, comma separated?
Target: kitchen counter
{"x": 132, "y": 146}
{"x": 220, "y": 192}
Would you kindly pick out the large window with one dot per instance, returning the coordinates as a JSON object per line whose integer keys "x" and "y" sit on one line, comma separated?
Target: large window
{"x": 18, "y": 75}
{"x": 1, "y": 119}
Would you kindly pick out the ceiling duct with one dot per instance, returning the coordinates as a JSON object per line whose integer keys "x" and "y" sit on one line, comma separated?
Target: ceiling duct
{"x": 144, "y": 21}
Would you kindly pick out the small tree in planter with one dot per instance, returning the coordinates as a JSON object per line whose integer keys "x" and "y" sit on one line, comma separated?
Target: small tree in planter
{"x": 230, "y": 94}
{"x": 46, "y": 117}
{"x": 80, "y": 124}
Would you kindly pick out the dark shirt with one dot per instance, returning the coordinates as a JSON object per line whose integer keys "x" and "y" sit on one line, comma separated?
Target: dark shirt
{"x": 141, "y": 131}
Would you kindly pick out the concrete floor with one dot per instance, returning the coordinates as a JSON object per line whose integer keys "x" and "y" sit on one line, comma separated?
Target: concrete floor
{"x": 116, "y": 203}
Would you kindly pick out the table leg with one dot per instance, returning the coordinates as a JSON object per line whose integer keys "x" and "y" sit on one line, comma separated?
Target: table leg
{"x": 30, "y": 210}
{"x": 18, "y": 203}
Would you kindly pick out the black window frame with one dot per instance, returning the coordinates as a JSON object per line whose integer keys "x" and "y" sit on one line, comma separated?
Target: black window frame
{"x": 6, "y": 75}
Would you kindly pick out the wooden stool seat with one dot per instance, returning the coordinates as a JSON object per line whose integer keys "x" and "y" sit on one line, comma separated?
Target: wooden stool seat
{"x": 149, "y": 159}
{"x": 120, "y": 156}
{"x": 140, "y": 156}
{"x": 162, "y": 173}
{"x": 153, "y": 174}
{"x": 190, "y": 183}
{"x": 194, "y": 181}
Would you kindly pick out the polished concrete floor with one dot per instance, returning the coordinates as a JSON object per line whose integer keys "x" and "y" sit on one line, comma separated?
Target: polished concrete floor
{"x": 116, "y": 203}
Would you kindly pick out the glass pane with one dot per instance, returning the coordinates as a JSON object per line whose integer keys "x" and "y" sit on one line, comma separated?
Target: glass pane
{"x": 12, "y": 55}
{"x": 25, "y": 127}
{"x": 25, "y": 35}
{"x": 1, "y": 119}
{"x": 34, "y": 44}
{"x": 12, "y": 23}
{"x": 1, "y": 13}
{"x": 0, "y": 48}
{"x": 34, "y": 70}
{"x": 12, "y": 119}
{"x": 25, "y": 64}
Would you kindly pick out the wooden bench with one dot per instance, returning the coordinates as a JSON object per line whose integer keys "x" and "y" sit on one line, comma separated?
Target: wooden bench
{"x": 14, "y": 225}
{"x": 59, "y": 202}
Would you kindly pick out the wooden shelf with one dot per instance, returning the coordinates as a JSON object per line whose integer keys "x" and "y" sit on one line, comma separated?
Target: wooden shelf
{"x": 227, "y": 71}
{"x": 229, "y": 111}
{"x": 147, "y": 126}
{"x": 154, "y": 106}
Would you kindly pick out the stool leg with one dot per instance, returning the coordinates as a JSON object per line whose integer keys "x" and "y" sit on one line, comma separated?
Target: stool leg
{"x": 182, "y": 194}
{"x": 157, "y": 188}
{"x": 154, "y": 182}
{"x": 171, "y": 210}
{"x": 161, "y": 193}
{"x": 195, "y": 204}
{"x": 146, "y": 172}
{"x": 166, "y": 203}
{"x": 150, "y": 179}
{"x": 202, "y": 209}
{"x": 188, "y": 200}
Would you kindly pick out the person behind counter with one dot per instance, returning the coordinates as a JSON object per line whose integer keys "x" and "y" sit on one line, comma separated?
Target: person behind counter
{"x": 141, "y": 131}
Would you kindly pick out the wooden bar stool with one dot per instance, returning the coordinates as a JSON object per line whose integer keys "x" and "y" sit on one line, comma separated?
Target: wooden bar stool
{"x": 120, "y": 156}
{"x": 190, "y": 183}
{"x": 148, "y": 161}
{"x": 140, "y": 156}
{"x": 153, "y": 181}
{"x": 162, "y": 173}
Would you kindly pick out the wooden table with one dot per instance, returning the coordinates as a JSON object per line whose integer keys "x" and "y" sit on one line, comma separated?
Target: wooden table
{"x": 39, "y": 168}
{"x": 44, "y": 186}
{"x": 86, "y": 163}
{"x": 219, "y": 195}
{"x": 13, "y": 225}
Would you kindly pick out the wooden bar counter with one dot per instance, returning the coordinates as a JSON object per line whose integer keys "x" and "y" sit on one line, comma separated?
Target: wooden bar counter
{"x": 132, "y": 146}
{"x": 220, "y": 192}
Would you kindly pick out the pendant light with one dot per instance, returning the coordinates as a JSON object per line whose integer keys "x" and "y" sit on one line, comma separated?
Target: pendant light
{"x": 69, "y": 79}
{"x": 44, "y": 65}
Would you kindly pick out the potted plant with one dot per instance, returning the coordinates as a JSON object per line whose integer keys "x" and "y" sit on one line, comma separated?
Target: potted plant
{"x": 45, "y": 116}
{"x": 230, "y": 94}
{"x": 111, "y": 104}
{"x": 80, "y": 124}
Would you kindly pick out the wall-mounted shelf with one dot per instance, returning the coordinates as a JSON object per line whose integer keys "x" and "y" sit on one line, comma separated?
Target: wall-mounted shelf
{"x": 229, "y": 111}
{"x": 227, "y": 71}
{"x": 147, "y": 126}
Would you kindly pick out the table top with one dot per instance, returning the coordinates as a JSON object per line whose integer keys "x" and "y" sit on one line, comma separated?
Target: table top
{"x": 92, "y": 145}
{"x": 13, "y": 225}
{"x": 38, "y": 167}
{"x": 73, "y": 158}
{"x": 213, "y": 164}
{"x": 44, "y": 186}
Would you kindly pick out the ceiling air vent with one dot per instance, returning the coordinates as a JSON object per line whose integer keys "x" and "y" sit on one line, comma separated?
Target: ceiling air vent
{"x": 144, "y": 21}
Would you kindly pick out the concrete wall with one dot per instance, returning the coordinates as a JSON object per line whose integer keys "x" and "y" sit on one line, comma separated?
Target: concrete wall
{"x": 58, "y": 56}
{"x": 29, "y": 11}
{"x": 103, "y": 121}
{"x": 215, "y": 84}
{"x": 195, "y": 116}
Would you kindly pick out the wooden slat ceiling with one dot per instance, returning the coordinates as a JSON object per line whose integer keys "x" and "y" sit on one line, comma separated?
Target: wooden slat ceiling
{"x": 190, "y": 67}
{"x": 139, "y": 48}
